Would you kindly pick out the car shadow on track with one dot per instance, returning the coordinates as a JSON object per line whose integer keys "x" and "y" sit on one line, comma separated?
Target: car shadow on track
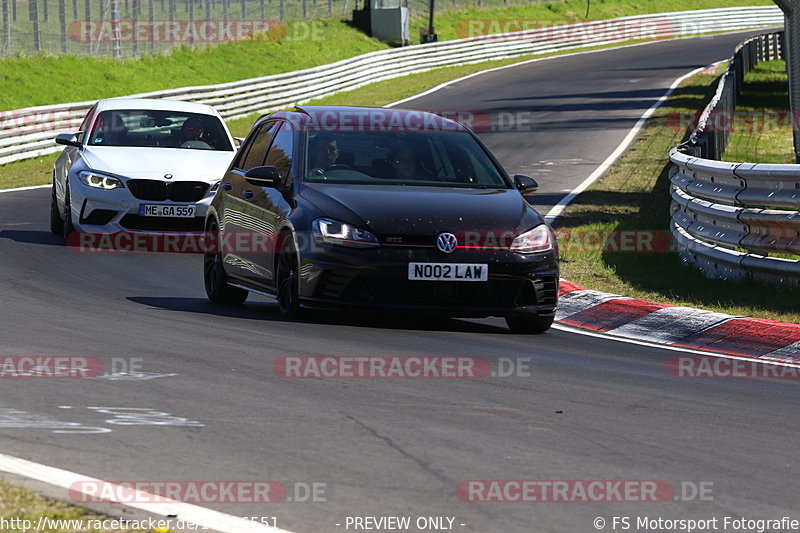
{"x": 268, "y": 311}
{"x": 32, "y": 237}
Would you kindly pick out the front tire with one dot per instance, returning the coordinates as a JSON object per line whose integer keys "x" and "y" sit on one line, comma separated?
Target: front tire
{"x": 215, "y": 278}
{"x": 529, "y": 323}
{"x": 56, "y": 222}
{"x": 288, "y": 281}
{"x": 67, "y": 228}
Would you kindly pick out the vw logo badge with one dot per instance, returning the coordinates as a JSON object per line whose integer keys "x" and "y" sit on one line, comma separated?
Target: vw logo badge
{"x": 446, "y": 242}
{"x": 168, "y": 176}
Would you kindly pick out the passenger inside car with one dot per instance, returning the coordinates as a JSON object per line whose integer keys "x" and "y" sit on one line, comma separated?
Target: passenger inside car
{"x": 323, "y": 151}
{"x": 109, "y": 130}
{"x": 405, "y": 165}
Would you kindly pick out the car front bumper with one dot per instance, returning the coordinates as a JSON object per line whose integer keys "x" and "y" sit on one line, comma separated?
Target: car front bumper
{"x": 101, "y": 211}
{"x": 378, "y": 278}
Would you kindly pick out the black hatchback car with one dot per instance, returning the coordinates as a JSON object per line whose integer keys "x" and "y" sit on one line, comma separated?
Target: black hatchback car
{"x": 379, "y": 208}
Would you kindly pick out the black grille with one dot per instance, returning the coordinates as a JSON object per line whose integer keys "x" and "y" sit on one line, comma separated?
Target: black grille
{"x": 387, "y": 291}
{"x": 334, "y": 284}
{"x": 159, "y": 191}
{"x": 187, "y": 191}
{"x": 162, "y": 223}
{"x": 545, "y": 290}
{"x": 99, "y": 217}
{"x": 493, "y": 293}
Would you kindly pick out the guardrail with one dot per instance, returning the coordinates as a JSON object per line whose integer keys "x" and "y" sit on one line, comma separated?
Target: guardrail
{"x": 26, "y": 133}
{"x": 728, "y": 217}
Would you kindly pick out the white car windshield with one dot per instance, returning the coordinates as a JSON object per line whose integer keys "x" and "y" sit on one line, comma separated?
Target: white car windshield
{"x": 159, "y": 129}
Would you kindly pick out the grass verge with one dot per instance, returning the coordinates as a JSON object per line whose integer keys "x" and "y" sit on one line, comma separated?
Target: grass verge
{"x": 762, "y": 128}
{"x": 634, "y": 195}
{"x": 24, "y": 504}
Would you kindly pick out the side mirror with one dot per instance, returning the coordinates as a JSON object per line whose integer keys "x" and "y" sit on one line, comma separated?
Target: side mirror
{"x": 237, "y": 141}
{"x": 67, "y": 139}
{"x": 267, "y": 176}
{"x": 525, "y": 184}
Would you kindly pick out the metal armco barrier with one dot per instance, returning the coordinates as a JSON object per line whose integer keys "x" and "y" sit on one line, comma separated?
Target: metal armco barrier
{"x": 728, "y": 217}
{"x": 26, "y": 133}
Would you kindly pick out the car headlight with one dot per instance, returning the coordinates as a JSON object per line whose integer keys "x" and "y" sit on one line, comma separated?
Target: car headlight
{"x": 539, "y": 239}
{"x": 334, "y": 232}
{"x": 99, "y": 181}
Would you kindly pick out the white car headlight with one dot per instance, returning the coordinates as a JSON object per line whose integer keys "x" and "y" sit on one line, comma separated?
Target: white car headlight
{"x": 99, "y": 181}
{"x": 539, "y": 239}
{"x": 334, "y": 232}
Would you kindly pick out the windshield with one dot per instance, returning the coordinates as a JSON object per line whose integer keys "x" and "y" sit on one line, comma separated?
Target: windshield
{"x": 429, "y": 158}
{"x": 159, "y": 129}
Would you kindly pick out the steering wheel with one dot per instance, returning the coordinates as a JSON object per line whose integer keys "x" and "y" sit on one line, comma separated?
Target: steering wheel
{"x": 440, "y": 174}
{"x": 340, "y": 166}
{"x": 196, "y": 143}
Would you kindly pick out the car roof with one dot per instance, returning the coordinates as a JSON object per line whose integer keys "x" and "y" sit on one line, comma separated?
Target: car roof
{"x": 348, "y": 116}
{"x": 156, "y": 104}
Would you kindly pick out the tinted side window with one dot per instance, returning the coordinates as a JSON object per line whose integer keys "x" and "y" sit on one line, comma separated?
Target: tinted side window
{"x": 254, "y": 152}
{"x": 280, "y": 153}
{"x": 85, "y": 124}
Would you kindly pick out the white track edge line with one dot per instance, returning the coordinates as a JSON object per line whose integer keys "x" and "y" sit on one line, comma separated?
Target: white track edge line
{"x": 208, "y": 518}
{"x": 29, "y": 188}
{"x": 557, "y": 209}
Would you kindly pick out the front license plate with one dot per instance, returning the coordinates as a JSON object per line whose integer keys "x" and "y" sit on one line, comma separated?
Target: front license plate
{"x": 161, "y": 210}
{"x": 448, "y": 272}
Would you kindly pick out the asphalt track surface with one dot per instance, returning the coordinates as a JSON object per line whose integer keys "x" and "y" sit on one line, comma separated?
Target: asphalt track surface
{"x": 590, "y": 408}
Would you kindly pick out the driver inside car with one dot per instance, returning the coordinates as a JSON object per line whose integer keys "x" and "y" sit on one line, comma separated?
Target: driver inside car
{"x": 193, "y": 134}
{"x": 323, "y": 151}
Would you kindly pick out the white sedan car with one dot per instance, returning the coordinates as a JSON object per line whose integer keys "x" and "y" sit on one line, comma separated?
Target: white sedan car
{"x": 140, "y": 165}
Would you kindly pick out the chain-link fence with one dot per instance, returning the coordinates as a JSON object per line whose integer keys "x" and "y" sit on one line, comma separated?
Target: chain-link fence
{"x": 121, "y": 28}
{"x": 124, "y": 28}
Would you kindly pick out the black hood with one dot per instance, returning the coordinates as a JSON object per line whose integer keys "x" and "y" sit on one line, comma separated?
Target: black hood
{"x": 417, "y": 210}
